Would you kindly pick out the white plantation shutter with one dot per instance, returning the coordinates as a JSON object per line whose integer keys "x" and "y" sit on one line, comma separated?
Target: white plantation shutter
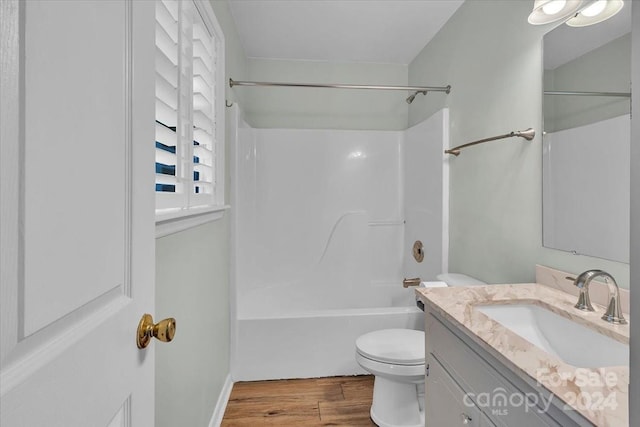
{"x": 187, "y": 51}
{"x": 167, "y": 104}
{"x": 204, "y": 55}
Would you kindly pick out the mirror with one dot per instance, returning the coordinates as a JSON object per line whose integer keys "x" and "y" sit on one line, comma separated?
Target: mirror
{"x": 586, "y": 109}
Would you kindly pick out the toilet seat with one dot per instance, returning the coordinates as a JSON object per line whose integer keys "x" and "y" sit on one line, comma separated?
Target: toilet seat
{"x": 393, "y": 346}
{"x": 393, "y": 371}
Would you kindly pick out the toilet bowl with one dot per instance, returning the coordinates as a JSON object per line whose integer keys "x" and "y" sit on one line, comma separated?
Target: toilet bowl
{"x": 396, "y": 358}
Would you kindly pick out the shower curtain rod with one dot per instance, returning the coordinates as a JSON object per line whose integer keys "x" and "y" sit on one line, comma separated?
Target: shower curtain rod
{"x": 559, "y": 92}
{"x": 445, "y": 89}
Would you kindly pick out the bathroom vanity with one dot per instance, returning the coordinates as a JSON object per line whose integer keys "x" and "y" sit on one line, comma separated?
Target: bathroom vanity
{"x": 570, "y": 370}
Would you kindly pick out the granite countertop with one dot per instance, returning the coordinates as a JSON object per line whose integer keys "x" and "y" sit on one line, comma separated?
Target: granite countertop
{"x": 599, "y": 394}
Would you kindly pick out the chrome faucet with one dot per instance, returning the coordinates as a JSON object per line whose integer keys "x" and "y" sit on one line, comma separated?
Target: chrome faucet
{"x": 614, "y": 312}
{"x": 411, "y": 282}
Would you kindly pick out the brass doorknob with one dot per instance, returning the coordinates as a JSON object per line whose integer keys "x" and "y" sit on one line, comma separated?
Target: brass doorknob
{"x": 164, "y": 330}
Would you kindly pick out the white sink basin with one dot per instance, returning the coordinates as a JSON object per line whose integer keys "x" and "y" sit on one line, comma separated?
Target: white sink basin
{"x": 571, "y": 342}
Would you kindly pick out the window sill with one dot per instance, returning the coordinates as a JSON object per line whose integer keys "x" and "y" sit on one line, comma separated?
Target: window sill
{"x": 176, "y": 220}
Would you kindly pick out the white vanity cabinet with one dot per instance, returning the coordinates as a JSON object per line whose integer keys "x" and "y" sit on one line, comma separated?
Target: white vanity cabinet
{"x": 467, "y": 386}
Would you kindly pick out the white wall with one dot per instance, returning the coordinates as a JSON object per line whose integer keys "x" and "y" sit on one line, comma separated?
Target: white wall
{"x": 192, "y": 273}
{"x": 192, "y": 285}
{"x": 494, "y": 65}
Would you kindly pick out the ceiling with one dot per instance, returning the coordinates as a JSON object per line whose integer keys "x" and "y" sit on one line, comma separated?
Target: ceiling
{"x": 380, "y": 31}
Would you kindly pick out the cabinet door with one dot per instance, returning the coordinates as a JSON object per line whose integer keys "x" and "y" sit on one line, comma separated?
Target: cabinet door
{"x": 485, "y": 421}
{"x": 446, "y": 402}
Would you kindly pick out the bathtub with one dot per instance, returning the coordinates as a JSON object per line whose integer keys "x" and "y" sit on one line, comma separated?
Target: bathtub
{"x": 322, "y": 228}
{"x": 294, "y": 332}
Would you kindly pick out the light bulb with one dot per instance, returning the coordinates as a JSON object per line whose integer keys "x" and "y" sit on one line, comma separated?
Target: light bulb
{"x": 553, "y": 7}
{"x": 595, "y": 9}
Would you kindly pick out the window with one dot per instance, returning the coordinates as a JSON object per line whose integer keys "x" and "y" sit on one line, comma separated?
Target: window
{"x": 189, "y": 109}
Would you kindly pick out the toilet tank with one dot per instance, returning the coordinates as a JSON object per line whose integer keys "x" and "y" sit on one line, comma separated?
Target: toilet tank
{"x": 456, "y": 279}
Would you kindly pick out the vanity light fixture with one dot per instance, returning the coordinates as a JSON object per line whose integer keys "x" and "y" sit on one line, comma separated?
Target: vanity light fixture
{"x": 548, "y": 11}
{"x": 577, "y": 13}
{"x": 598, "y": 11}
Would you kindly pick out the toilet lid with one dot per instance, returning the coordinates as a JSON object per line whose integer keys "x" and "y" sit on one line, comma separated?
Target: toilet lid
{"x": 397, "y": 346}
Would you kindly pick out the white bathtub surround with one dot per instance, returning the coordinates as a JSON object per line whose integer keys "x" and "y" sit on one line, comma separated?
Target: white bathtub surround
{"x": 426, "y": 195}
{"x": 320, "y": 235}
{"x": 318, "y": 208}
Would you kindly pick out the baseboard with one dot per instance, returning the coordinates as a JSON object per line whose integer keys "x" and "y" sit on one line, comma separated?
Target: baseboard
{"x": 221, "y": 404}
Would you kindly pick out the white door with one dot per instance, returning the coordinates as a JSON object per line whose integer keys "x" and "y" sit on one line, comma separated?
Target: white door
{"x": 77, "y": 206}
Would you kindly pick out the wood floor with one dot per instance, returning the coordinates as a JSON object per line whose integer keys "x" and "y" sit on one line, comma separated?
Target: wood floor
{"x": 335, "y": 401}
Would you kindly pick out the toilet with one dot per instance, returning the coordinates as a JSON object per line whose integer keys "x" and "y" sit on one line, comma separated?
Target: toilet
{"x": 396, "y": 358}
{"x": 456, "y": 279}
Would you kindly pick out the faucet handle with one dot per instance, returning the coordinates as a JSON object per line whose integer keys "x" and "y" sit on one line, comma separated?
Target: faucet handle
{"x": 582, "y": 282}
{"x": 614, "y": 312}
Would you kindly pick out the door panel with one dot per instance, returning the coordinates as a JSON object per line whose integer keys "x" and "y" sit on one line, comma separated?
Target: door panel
{"x": 78, "y": 274}
{"x": 75, "y": 156}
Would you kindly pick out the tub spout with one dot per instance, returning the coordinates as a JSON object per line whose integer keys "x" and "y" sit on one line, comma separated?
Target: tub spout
{"x": 411, "y": 282}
